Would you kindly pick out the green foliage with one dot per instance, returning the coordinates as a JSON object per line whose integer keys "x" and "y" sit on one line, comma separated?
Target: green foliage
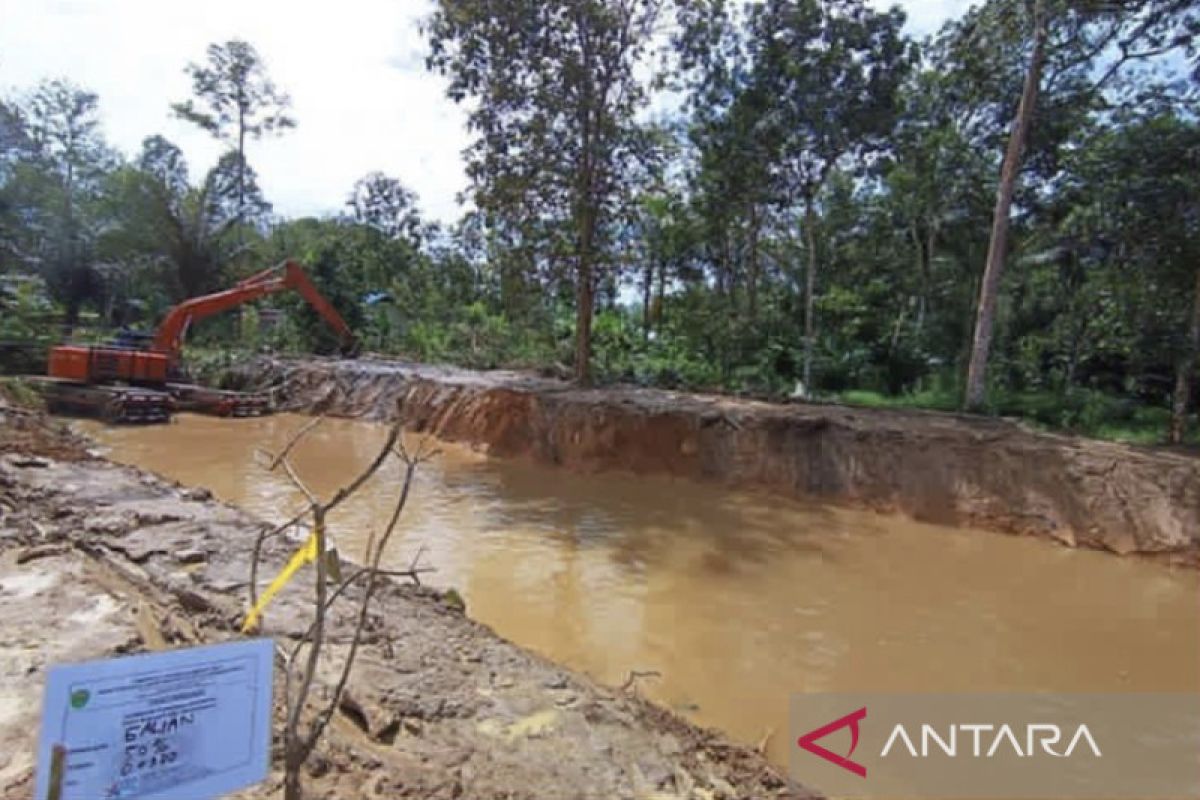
{"x": 554, "y": 96}
{"x": 52, "y": 189}
{"x": 19, "y": 393}
{"x": 250, "y": 335}
{"x": 1083, "y": 412}
{"x": 24, "y": 334}
{"x": 815, "y": 144}
{"x": 234, "y": 98}
{"x": 24, "y": 304}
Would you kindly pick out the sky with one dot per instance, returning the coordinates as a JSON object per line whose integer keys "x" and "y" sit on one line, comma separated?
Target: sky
{"x": 361, "y": 96}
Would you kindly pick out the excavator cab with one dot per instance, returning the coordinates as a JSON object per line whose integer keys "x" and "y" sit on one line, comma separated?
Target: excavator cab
{"x": 129, "y": 339}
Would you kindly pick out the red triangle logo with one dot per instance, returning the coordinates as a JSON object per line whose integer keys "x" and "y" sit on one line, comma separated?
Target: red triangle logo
{"x": 809, "y": 741}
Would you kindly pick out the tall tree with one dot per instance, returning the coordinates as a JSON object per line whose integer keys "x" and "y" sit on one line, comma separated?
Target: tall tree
{"x": 234, "y": 100}
{"x": 161, "y": 219}
{"x": 555, "y": 94}
{"x": 831, "y": 69}
{"x": 387, "y": 205}
{"x": 68, "y": 157}
{"x": 934, "y": 194}
{"x": 1138, "y": 186}
{"x": 1070, "y": 40}
{"x": 233, "y": 192}
{"x": 14, "y": 137}
{"x": 163, "y": 160}
{"x": 63, "y": 123}
{"x": 732, "y": 183}
{"x": 15, "y": 148}
{"x": 989, "y": 290}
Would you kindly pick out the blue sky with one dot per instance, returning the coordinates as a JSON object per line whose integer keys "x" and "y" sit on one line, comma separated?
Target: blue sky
{"x": 355, "y": 69}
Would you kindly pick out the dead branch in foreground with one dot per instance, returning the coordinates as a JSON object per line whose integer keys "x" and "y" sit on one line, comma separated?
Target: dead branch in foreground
{"x": 637, "y": 675}
{"x": 297, "y": 746}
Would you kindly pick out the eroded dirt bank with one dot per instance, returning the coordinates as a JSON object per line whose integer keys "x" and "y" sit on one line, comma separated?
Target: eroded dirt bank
{"x": 935, "y": 467}
{"x": 97, "y": 559}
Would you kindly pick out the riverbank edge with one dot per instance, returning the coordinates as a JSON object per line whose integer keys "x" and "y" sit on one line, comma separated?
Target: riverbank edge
{"x": 950, "y": 469}
{"x": 99, "y": 559}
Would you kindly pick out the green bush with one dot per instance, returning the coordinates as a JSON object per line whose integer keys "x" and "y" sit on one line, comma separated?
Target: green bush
{"x": 26, "y": 333}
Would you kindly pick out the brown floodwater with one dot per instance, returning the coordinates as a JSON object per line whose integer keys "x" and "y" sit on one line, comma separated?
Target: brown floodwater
{"x": 737, "y": 599}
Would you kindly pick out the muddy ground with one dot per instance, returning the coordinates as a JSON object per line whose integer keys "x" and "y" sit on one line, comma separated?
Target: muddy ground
{"x": 98, "y": 559}
{"x": 945, "y": 468}
{"x": 24, "y": 429}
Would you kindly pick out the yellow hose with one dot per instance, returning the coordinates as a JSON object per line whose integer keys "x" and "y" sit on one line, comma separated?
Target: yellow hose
{"x": 306, "y": 553}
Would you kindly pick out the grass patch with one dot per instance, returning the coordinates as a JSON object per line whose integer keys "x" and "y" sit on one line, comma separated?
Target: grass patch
{"x": 929, "y": 399}
{"x": 1082, "y": 412}
{"x": 18, "y": 392}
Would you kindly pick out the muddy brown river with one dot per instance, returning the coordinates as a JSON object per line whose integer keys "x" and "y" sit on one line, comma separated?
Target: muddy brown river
{"x": 737, "y": 599}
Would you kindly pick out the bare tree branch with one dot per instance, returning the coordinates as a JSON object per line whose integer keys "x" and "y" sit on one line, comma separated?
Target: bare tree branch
{"x": 258, "y": 545}
{"x": 322, "y": 719}
{"x": 300, "y": 434}
{"x": 636, "y": 675}
{"x": 301, "y": 485}
{"x": 374, "y": 466}
{"x": 297, "y": 748}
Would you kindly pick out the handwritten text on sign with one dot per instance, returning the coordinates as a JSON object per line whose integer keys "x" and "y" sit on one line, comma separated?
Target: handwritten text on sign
{"x": 194, "y": 722}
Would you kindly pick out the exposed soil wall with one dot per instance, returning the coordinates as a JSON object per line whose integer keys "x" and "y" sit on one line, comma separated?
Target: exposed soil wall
{"x": 945, "y": 468}
{"x": 97, "y": 559}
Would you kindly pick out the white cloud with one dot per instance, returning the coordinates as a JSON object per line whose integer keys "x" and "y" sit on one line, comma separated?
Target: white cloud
{"x": 355, "y": 69}
{"x": 926, "y": 16}
{"x": 356, "y": 110}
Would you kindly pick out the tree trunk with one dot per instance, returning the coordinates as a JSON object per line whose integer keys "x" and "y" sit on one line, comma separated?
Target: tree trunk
{"x": 296, "y": 748}
{"x": 647, "y": 285}
{"x": 810, "y": 283}
{"x": 1081, "y": 328}
{"x": 584, "y": 302}
{"x": 1185, "y": 372}
{"x": 1073, "y": 357}
{"x": 985, "y": 321}
{"x": 659, "y": 308}
{"x": 241, "y": 167}
{"x": 752, "y": 279}
{"x": 292, "y": 788}
{"x": 923, "y": 247}
{"x": 724, "y": 268}
{"x": 966, "y": 329}
{"x": 585, "y": 210}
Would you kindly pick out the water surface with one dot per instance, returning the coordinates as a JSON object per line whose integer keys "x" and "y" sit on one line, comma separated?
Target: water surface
{"x": 738, "y": 599}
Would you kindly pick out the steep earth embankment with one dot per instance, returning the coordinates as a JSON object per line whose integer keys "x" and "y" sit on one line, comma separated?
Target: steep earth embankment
{"x": 935, "y": 467}
{"x": 97, "y": 559}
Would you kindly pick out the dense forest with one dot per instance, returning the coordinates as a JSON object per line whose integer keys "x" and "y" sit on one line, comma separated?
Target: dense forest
{"x": 783, "y": 198}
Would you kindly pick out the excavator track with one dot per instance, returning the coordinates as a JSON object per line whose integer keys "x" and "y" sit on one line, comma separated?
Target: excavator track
{"x": 218, "y": 402}
{"x": 111, "y": 403}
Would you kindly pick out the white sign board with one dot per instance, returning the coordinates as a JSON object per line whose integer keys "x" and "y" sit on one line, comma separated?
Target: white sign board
{"x": 192, "y": 723}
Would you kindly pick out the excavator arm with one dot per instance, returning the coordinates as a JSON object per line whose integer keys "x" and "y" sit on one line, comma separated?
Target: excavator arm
{"x": 168, "y": 338}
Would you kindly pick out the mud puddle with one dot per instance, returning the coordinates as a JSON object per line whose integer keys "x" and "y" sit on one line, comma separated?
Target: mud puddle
{"x": 736, "y": 599}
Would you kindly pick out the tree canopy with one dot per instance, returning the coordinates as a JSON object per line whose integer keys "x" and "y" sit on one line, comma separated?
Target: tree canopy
{"x": 780, "y": 198}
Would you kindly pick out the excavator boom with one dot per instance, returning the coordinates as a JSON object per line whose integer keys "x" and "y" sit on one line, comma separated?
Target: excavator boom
{"x": 168, "y": 338}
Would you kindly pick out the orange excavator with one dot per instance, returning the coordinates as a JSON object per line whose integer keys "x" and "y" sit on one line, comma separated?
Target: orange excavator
{"x": 138, "y": 381}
